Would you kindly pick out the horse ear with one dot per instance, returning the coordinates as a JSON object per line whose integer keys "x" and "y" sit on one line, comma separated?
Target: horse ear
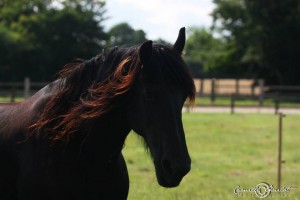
{"x": 180, "y": 42}
{"x": 145, "y": 52}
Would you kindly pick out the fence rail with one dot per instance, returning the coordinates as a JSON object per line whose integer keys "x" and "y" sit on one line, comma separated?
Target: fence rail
{"x": 235, "y": 89}
{"x": 20, "y": 89}
{"x": 226, "y": 87}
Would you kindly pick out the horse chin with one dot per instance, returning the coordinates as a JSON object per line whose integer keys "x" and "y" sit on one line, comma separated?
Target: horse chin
{"x": 164, "y": 179}
{"x": 168, "y": 184}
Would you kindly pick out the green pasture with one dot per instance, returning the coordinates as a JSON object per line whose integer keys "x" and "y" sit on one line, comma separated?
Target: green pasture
{"x": 227, "y": 151}
{"x": 226, "y": 101}
{"x": 8, "y": 99}
{"x": 206, "y": 101}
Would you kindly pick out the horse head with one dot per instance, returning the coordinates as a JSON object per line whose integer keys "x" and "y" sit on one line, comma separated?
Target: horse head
{"x": 155, "y": 110}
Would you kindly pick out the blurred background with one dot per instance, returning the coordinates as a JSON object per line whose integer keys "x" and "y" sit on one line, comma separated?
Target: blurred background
{"x": 241, "y": 47}
{"x": 243, "y": 54}
{"x": 226, "y": 38}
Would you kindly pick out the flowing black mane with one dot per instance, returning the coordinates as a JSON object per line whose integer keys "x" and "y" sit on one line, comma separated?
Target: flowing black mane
{"x": 89, "y": 89}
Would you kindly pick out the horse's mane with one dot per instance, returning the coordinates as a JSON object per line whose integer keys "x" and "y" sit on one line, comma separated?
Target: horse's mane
{"x": 89, "y": 89}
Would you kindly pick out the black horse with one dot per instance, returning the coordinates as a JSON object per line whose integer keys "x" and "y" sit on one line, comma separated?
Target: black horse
{"x": 65, "y": 142}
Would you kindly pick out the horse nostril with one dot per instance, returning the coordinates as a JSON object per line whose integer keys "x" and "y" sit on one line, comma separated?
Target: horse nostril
{"x": 167, "y": 166}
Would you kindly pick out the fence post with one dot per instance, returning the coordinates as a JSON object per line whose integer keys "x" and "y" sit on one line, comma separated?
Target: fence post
{"x": 261, "y": 92}
{"x": 13, "y": 95}
{"x": 26, "y": 87}
{"x": 213, "y": 90}
{"x": 280, "y": 161}
{"x": 237, "y": 86}
{"x": 276, "y": 106}
{"x": 232, "y": 104}
{"x": 201, "y": 87}
{"x": 252, "y": 90}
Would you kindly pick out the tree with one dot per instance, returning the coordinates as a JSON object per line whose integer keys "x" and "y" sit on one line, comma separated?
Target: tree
{"x": 76, "y": 31}
{"x": 198, "y": 50}
{"x": 266, "y": 36}
{"x": 13, "y": 43}
{"x": 208, "y": 54}
{"x": 123, "y": 34}
{"x": 42, "y": 38}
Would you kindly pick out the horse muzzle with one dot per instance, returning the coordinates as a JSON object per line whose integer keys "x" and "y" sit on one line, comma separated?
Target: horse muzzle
{"x": 169, "y": 172}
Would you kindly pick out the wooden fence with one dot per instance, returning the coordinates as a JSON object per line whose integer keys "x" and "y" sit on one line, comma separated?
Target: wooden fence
{"x": 226, "y": 87}
{"x": 19, "y": 89}
{"x": 236, "y": 89}
{"x": 246, "y": 88}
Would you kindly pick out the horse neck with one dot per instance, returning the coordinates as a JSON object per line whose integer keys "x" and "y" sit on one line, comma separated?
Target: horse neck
{"x": 107, "y": 134}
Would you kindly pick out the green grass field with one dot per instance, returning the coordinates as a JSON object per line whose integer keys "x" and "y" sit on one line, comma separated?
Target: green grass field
{"x": 226, "y": 151}
{"x": 226, "y": 101}
{"x": 205, "y": 101}
{"x": 8, "y": 99}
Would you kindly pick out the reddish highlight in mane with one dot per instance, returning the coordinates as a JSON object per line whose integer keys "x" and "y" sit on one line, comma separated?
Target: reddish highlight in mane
{"x": 88, "y": 90}
{"x": 102, "y": 95}
{"x": 99, "y": 99}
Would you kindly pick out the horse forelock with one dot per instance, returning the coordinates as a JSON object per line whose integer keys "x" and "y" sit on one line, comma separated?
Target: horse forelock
{"x": 175, "y": 70}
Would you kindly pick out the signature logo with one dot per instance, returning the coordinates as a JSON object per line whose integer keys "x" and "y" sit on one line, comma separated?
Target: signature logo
{"x": 262, "y": 190}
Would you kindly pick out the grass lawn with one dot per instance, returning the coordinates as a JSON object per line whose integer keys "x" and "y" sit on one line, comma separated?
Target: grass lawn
{"x": 8, "y": 99}
{"x": 205, "y": 101}
{"x": 226, "y": 151}
{"x": 226, "y": 101}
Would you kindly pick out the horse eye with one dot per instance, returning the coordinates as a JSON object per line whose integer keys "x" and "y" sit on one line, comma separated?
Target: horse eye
{"x": 148, "y": 94}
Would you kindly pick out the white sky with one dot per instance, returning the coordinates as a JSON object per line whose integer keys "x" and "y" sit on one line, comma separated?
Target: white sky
{"x": 159, "y": 18}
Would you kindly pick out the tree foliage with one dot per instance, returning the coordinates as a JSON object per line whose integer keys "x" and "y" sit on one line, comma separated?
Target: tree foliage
{"x": 123, "y": 34}
{"x": 37, "y": 38}
{"x": 265, "y": 34}
{"x": 207, "y": 54}
{"x": 199, "y": 49}
{"x": 258, "y": 38}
